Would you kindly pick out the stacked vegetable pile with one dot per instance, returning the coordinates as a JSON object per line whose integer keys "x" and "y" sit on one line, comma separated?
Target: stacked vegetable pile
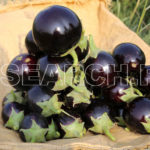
{"x": 65, "y": 86}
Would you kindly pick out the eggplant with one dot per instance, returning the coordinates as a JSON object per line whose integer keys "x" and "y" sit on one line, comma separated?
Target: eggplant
{"x": 43, "y": 102}
{"x": 99, "y": 118}
{"x": 13, "y": 114}
{"x": 33, "y": 128}
{"x": 137, "y": 115}
{"x": 70, "y": 126}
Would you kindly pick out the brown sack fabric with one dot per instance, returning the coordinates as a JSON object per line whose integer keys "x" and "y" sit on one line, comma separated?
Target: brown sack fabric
{"x": 108, "y": 31}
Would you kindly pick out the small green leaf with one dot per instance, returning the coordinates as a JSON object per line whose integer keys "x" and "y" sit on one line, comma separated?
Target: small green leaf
{"x": 63, "y": 76}
{"x": 15, "y": 120}
{"x": 102, "y": 125}
{"x": 127, "y": 129}
{"x": 130, "y": 95}
{"x": 35, "y": 133}
{"x": 75, "y": 58}
{"x": 94, "y": 50}
{"x": 121, "y": 121}
{"x": 50, "y": 107}
{"x": 80, "y": 93}
{"x": 78, "y": 98}
{"x": 15, "y": 97}
{"x": 147, "y": 125}
{"x": 74, "y": 130}
{"x": 77, "y": 76}
{"x": 52, "y": 131}
{"x": 83, "y": 42}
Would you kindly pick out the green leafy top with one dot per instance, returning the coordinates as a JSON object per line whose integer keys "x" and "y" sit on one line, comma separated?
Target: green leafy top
{"x": 130, "y": 93}
{"x": 102, "y": 125}
{"x": 15, "y": 119}
{"x": 80, "y": 93}
{"x": 52, "y": 131}
{"x": 82, "y": 44}
{"x": 50, "y": 107}
{"x": 62, "y": 77}
{"x": 147, "y": 125}
{"x": 93, "y": 49}
{"x": 15, "y": 97}
{"x": 35, "y": 133}
{"x": 76, "y": 129}
{"x": 121, "y": 121}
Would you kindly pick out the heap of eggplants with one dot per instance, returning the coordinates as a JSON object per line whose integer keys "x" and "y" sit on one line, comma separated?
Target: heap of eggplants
{"x": 65, "y": 86}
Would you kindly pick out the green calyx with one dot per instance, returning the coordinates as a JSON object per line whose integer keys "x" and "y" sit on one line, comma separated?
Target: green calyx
{"x": 35, "y": 133}
{"x": 93, "y": 49}
{"x": 52, "y": 131}
{"x": 82, "y": 44}
{"x": 15, "y": 120}
{"x": 51, "y": 107}
{"x": 121, "y": 121}
{"x": 15, "y": 97}
{"x": 146, "y": 125}
{"x": 62, "y": 78}
{"x": 74, "y": 130}
{"x": 127, "y": 129}
{"x": 102, "y": 125}
{"x": 80, "y": 93}
{"x": 130, "y": 94}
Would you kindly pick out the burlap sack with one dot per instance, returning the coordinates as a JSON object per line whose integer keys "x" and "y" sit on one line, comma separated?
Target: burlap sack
{"x": 108, "y": 31}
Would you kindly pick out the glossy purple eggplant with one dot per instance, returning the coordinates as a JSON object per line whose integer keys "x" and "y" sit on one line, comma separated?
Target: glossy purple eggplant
{"x": 13, "y": 114}
{"x": 31, "y": 46}
{"x": 100, "y": 71}
{"x": 137, "y": 115}
{"x": 34, "y": 128}
{"x": 22, "y": 73}
{"x": 130, "y": 57}
{"x": 56, "y": 29}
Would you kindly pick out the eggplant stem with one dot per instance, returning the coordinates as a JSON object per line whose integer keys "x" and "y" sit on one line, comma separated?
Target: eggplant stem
{"x": 75, "y": 57}
{"x": 33, "y": 140}
{"x": 107, "y": 132}
{"x": 77, "y": 89}
{"x": 138, "y": 92}
{"x": 12, "y": 92}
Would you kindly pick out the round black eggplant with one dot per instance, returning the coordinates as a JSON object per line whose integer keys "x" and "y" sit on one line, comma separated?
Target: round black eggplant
{"x": 15, "y": 96}
{"x": 137, "y": 115}
{"x": 130, "y": 58}
{"x": 34, "y": 128}
{"x": 43, "y": 102}
{"x": 70, "y": 126}
{"x": 98, "y": 118}
{"x": 22, "y": 73}
{"x": 96, "y": 110}
{"x": 32, "y": 47}
{"x": 56, "y": 30}
{"x": 100, "y": 71}
{"x": 13, "y": 114}
{"x": 115, "y": 92}
{"x": 53, "y": 72}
